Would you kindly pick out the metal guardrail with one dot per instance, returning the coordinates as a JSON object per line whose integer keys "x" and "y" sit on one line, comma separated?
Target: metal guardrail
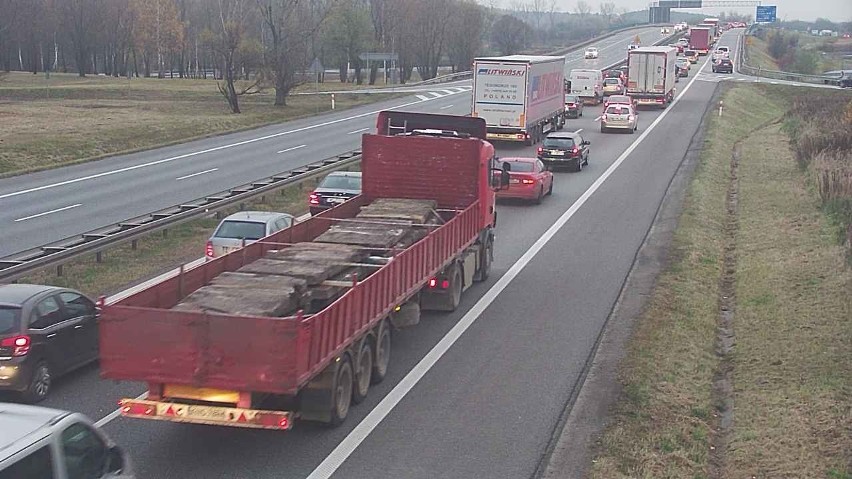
{"x": 585, "y": 43}
{"x": 746, "y": 69}
{"x": 57, "y": 253}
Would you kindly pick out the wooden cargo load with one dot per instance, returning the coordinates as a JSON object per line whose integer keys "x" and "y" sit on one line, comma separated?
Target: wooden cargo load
{"x": 307, "y": 276}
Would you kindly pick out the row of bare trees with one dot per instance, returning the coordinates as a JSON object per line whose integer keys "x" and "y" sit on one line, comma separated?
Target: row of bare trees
{"x": 252, "y": 44}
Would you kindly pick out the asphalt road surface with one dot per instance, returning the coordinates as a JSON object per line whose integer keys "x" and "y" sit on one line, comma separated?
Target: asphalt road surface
{"x": 40, "y": 208}
{"x": 487, "y": 407}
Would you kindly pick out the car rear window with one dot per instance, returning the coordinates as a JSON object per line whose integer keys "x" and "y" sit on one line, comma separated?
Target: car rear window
{"x": 689, "y": 53}
{"x": 611, "y": 81}
{"x": 9, "y": 320}
{"x": 561, "y": 143}
{"x": 571, "y": 99}
{"x": 618, "y": 110}
{"x": 250, "y": 230}
{"x": 521, "y": 166}
{"x": 342, "y": 182}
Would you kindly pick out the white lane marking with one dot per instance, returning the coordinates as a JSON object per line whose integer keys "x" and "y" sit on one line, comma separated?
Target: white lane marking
{"x": 208, "y": 150}
{"x": 57, "y": 210}
{"x": 578, "y": 131}
{"x": 291, "y": 149}
{"x": 357, "y": 131}
{"x": 446, "y": 106}
{"x": 423, "y": 97}
{"x": 435, "y": 94}
{"x": 211, "y": 170}
{"x": 109, "y": 417}
{"x": 346, "y": 447}
{"x": 448, "y": 92}
{"x": 598, "y": 118}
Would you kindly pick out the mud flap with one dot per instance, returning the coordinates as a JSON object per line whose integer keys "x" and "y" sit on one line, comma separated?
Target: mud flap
{"x": 408, "y": 315}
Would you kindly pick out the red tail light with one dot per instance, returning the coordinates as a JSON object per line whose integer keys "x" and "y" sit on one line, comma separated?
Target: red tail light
{"x": 313, "y": 199}
{"x": 527, "y": 181}
{"x": 20, "y": 345}
{"x": 539, "y": 150}
{"x": 208, "y": 250}
{"x": 433, "y": 282}
{"x": 575, "y": 150}
{"x": 445, "y": 284}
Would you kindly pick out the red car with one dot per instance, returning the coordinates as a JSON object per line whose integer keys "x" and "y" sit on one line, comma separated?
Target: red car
{"x": 529, "y": 179}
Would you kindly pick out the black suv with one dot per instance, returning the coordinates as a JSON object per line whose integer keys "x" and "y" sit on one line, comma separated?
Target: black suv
{"x": 564, "y": 149}
{"x": 45, "y": 332}
{"x": 724, "y": 65}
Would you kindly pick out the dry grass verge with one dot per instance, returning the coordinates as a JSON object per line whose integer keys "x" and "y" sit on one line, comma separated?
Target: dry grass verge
{"x": 791, "y": 363}
{"x": 67, "y": 119}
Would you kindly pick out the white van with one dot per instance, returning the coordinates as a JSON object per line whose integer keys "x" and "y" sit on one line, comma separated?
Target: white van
{"x": 587, "y": 84}
{"x": 42, "y": 443}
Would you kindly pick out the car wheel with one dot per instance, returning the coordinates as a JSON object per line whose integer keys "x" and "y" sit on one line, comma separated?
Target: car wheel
{"x": 39, "y": 384}
{"x": 540, "y": 196}
{"x": 587, "y": 161}
{"x": 603, "y": 129}
{"x": 579, "y": 166}
{"x": 550, "y": 190}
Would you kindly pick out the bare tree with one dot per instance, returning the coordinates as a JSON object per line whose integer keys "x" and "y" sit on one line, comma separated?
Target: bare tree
{"x": 583, "y": 8}
{"x": 292, "y": 26}
{"x": 82, "y": 19}
{"x": 509, "y": 34}
{"x": 225, "y": 41}
{"x": 464, "y": 34}
{"x": 607, "y": 10}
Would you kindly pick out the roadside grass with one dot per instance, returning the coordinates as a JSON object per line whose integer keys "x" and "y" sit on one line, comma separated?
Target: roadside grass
{"x": 758, "y": 54}
{"x": 122, "y": 267}
{"x": 68, "y": 119}
{"x": 792, "y": 376}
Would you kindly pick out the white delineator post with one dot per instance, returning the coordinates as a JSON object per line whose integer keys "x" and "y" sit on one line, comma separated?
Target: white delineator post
{"x": 720, "y": 107}
{"x": 332, "y": 101}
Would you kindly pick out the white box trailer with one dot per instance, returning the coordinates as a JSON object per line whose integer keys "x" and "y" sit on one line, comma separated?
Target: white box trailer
{"x": 520, "y": 97}
{"x": 651, "y": 75}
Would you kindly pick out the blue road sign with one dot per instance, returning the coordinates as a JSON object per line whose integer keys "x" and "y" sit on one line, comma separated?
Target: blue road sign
{"x": 765, "y": 14}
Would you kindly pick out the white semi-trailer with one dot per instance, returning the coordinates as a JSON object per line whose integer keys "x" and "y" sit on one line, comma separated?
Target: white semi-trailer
{"x": 520, "y": 97}
{"x": 651, "y": 75}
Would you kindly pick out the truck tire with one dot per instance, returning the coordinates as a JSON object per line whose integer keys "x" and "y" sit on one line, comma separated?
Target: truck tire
{"x": 485, "y": 260}
{"x": 363, "y": 376}
{"x": 341, "y": 392}
{"x": 383, "y": 354}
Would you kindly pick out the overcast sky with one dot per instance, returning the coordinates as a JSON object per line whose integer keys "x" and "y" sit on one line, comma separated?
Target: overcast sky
{"x": 808, "y": 10}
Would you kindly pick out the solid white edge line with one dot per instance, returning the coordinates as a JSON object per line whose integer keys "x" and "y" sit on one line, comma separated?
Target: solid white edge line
{"x": 446, "y": 106}
{"x": 211, "y": 170}
{"x": 290, "y": 149}
{"x": 57, "y": 210}
{"x": 208, "y": 150}
{"x": 348, "y": 445}
{"x": 109, "y": 417}
{"x": 357, "y": 131}
{"x": 423, "y": 97}
{"x": 578, "y": 131}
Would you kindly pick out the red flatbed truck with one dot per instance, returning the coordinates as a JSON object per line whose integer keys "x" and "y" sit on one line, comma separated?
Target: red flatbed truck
{"x": 264, "y": 372}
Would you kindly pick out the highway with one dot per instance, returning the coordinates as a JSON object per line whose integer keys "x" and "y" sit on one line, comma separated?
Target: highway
{"x": 484, "y": 402}
{"x": 40, "y": 208}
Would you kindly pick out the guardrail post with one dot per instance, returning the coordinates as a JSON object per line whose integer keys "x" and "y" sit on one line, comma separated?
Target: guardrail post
{"x": 99, "y": 257}
{"x": 134, "y": 244}
{"x": 165, "y": 233}
{"x": 180, "y": 282}
{"x": 59, "y": 270}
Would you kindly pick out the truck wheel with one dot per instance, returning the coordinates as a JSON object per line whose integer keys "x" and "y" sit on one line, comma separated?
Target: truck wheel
{"x": 40, "y": 384}
{"x": 341, "y": 392}
{"x": 383, "y": 351}
{"x": 454, "y": 295}
{"x": 365, "y": 371}
{"x": 485, "y": 260}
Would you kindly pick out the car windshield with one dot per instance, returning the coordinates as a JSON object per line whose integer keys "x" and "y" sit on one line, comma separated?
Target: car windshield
{"x": 339, "y": 182}
{"x": 521, "y": 166}
{"x": 611, "y": 81}
{"x": 250, "y": 230}
{"x": 9, "y": 320}
{"x": 561, "y": 143}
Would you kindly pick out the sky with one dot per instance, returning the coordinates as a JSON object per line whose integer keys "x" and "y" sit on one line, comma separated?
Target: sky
{"x": 807, "y": 10}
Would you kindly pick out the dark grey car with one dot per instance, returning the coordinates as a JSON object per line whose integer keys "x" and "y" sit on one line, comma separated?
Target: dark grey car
{"x": 45, "y": 332}
{"x": 334, "y": 189}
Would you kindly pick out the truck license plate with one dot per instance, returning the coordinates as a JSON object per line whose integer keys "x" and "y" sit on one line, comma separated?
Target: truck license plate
{"x": 206, "y": 412}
